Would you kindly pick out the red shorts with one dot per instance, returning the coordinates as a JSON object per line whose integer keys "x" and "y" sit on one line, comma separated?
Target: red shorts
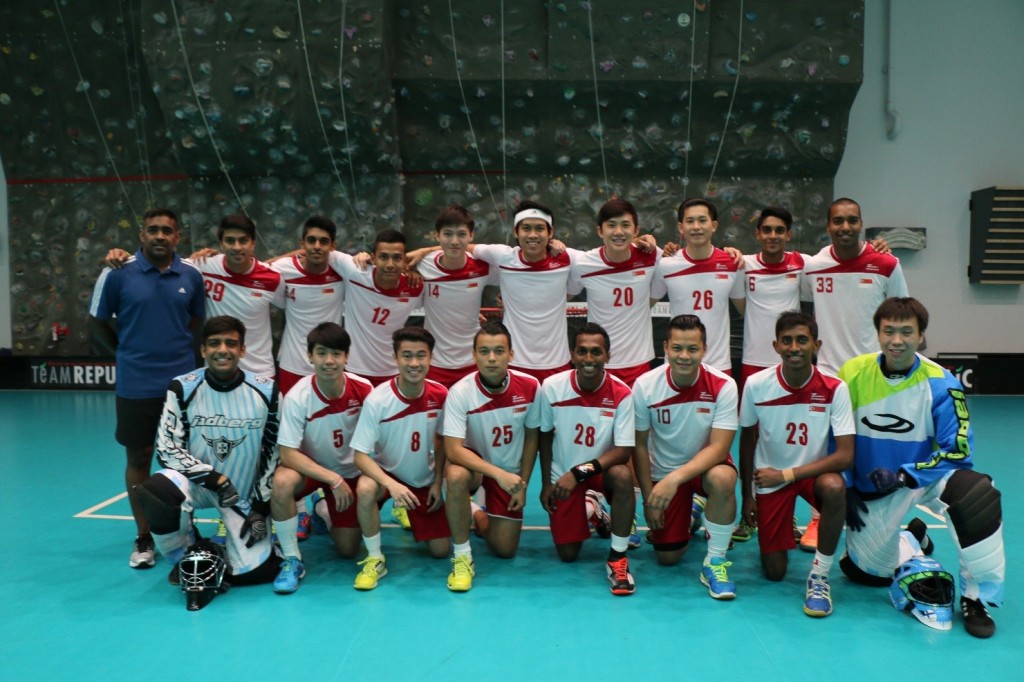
{"x": 339, "y": 519}
{"x": 775, "y": 515}
{"x": 498, "y": 499}
{"x": 542, "y": 374}
{"x": 677, "y": 517}
{"x": 745, "y": 373}
{"x": 447, "y": 377}
{"x": 569, "y": 521}
{"x": 629, "y": 375}
{"x": 285, "y": 380}
{"x": 426, "y": 525}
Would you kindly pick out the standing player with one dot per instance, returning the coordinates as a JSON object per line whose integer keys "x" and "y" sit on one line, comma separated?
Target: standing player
{"x": 788, "y": 413}
{"x": 314, "y": 292}
{"x": 216, "y": 445}
{"x": 914, "y": 447}
{"x": 318, "y": 419}
{"x": 533, "y": 285}
{"x": 617, "y": 277}
{"x": 158, "y": 301}
{"x": 688, "y": 411}
{"x": 586, "y": 439}
{"x": 701, "y": 278}
{"x": 400, "y": 426}
{"x": 453, "y": 284}
{"x": 378, "y": 303}
{"x": 490, "y": 438}
{"x": 847, "y": 281}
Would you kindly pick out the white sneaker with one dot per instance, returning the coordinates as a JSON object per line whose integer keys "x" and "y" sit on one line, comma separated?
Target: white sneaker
{"x": 143, "y": 555}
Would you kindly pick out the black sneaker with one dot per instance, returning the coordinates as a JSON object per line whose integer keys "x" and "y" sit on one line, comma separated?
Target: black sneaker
{"x": 143, "y": 554}
{"x": 172, "y": 577}
{"x": 977, "y": 622}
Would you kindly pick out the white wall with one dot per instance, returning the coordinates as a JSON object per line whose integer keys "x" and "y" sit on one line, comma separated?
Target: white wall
{"x": 959, "y": 89}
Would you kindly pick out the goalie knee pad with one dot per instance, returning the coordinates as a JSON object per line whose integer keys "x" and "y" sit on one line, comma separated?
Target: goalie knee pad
{"x": 161, "y": 503}
{"x": 924, "y": 588}
{"x": 201, "y": 574}
{"x": 974, "y": 506}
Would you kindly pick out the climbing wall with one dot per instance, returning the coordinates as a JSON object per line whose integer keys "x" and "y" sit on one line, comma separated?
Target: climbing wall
{"x": 378, "y": 113}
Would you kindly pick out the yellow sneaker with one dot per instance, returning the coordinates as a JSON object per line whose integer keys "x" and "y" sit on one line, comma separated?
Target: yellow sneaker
{"x": 373, "y": 570}
{"x": 401, "y": 516}
{"x": 809, "y": 540}
{"x": 461, "y": 577}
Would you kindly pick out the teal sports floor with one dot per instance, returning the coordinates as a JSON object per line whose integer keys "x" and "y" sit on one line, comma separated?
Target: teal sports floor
{"x": 73, "y": 610}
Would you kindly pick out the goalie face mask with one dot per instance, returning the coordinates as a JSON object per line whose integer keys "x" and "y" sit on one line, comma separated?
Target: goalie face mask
{"x": 924, "y": 588}
{"x": 201, "y": 574}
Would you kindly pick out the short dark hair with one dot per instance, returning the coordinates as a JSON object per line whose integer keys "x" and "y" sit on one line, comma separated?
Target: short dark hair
{"x": 220, "y": 324}
{"x": 493, "y": 328}
{"x": 160, "y": 212}
{"x": 690, "y": 203}
{"x": 527, "y": 204}
{"x": 414, "y": 334}
{"x": 454, "y": 216}
{"x": 388, "y": 236}
{"x": 794, "y": 318}
{"x": 236, "y": 221}
{"x": 595, "y": 329}
{"x": 686, "y": 323}
{"x": 320, "y": 222}
{"x": 329, "y": 335}
{"x": 614, "y": 208}
{"x": 902, "y": 308}
{"x": 841, "y": 200}
{"x": 775, "y": 212}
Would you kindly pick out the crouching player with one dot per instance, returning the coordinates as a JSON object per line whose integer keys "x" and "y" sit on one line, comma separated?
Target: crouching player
{"x": 586, "y": 438}
{"x": 400, "y": 426}
{"x": 689, "y": 410}
{"x": 318, "y": 418}
{"x": 216, "y": 444}
{"x": 491, "y": 421}
{"x": 787, "y": 413}
{"x": 914, "y": 445}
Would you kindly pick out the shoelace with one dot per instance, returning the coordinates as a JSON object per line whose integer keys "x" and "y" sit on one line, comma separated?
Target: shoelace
{"x": 620, "y": 569}
{"x": 460, "y": 567}
{"x": 819, "y": 588}
{"x": 718, "y": 570}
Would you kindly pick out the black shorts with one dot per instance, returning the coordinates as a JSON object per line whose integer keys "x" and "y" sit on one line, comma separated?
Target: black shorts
{"x": 137, "y": 421}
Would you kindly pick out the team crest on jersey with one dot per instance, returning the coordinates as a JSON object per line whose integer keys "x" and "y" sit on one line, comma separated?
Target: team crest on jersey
{"x": 721, "y": 276}
{"x": 191, "y": 377}
{"x": 866, "y": 281}
{"x": 705, "y": 396}
{"x": 432, "y": 404}
{"x": 256, "y": 294}
{"x": 606, "y": 413}
{"x": 518, "y": 399}
{"x": 639, "y": 273}
{"x": 703, "y": 410}
{"x": 871, "y": 267}
{"x": 263, "y": 379}
{"x": 817, "y": 408}
{"x": 431, "y": 415}
{"x": 517, "y": 410}
{"x": 720, "y": 266}
{"x": 221, "y": 446}
{"x": 607, "y": 401}
{"x": 817, "y": 398}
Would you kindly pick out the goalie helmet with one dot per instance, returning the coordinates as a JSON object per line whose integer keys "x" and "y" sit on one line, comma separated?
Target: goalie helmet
{"x": 924, "y": 588}
{"x": 201, "y": 574}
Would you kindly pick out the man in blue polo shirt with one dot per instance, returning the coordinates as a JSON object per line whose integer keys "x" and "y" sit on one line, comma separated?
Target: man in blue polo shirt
{"x": 158, "y": 301}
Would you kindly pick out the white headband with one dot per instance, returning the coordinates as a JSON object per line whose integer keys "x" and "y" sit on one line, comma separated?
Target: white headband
{"x": 532, "y": 213}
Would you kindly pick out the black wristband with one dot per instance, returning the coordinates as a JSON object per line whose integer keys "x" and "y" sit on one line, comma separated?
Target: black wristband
{"x": 582, "y": 472}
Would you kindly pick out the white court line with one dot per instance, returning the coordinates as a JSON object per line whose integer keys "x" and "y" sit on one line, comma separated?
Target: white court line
{"x": 88, "y": 512}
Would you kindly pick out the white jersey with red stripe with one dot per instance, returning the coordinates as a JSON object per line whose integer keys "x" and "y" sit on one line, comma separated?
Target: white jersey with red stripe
{"x": 321, "y": 428}
{"x": 680, "y": 418}
{"x": 248, "y": 297}
{"x": 534, "y": 298}
{"x": 771, "y": 289}
{"x": 309, "y": 299}
{"x": 372, "y": 315}
{"x": 398, "y": 432}
{"x": 493, "y": 425}
{"x": 702, "y": 288}
{"x": 794, "y": 423}
{"x": 846, "y": 295}
{"x": 451, "y": 307}
{"x": 586, "y": 423}
{"x": 618, "y": 299}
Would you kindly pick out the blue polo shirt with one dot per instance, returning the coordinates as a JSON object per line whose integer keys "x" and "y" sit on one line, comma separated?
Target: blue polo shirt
{"x": 153, "y": 311}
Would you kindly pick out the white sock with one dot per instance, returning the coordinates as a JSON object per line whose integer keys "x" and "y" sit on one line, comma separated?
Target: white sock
{"x": 463, "y": 549}
{"x": 718, "y": 539}
{"x": 474, "y": 507}
{"x": 822, "y": 564}
{"x": 286, "y": 531}
{"x": 620, "y": 543}
{"x": 321, "y": 510}
{"x": 373, "y": 546}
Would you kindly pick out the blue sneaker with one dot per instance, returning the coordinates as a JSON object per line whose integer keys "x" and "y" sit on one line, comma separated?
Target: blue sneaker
{"x": 287, "y": 580}
{"x": 818, "y": 603}
{"x": 318, "y": 524}
{"x": 635, "y": 539}
{"x": 697, "y": 513}
{"x": 221, "y": 536}
{"x": 716, "y": 578}
{"x": 305, "y": 527}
